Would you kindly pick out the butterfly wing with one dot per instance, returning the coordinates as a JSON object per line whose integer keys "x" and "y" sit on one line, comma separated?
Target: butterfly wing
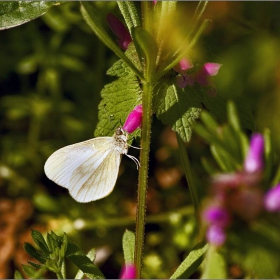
{"x": 88, "y": 169}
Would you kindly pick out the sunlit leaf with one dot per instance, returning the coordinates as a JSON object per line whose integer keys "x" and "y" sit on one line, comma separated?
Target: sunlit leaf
{"x": 128, "y": 246}
{"x": 16, "y": 13}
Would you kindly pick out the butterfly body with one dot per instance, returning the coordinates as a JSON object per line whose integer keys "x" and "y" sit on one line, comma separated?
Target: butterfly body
{"x": 89, "y": 169}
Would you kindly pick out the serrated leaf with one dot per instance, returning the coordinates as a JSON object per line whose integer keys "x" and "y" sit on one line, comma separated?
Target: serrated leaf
{"x": 128, "y": 243}
{"x": 129, "y": 13}
{"x": 78, "y": 257}
{"x": 191, "y": 262}
{"x": 118, "y": 100}
{"x": 33, "y": 252}
{"x": 16, "y": 13}
{"x": 215, "y": 266}
{"x": 51, "y": 242}
{"x": 91, "y": 255}
{"x": 64, "y": 245}
{"x": 40, "y": 241}
{"x": 177, "y": 108}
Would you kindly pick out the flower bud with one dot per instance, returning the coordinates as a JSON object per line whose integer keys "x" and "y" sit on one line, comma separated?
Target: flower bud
{"x": 216, "y": 215}
{"x": 254, "y": 159}
{"x": 128, "y": 272}
{"x": 124, "y": 38}
{"x": 183, "y": 65}
{"x": 216, "y": 235}
{"x": 207, "y": 70}
{"x": 134, "y": 119}
{"x": 272, "y": 199}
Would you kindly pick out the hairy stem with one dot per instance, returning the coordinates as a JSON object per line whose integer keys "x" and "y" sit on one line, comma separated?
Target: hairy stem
{"x": 143, "y": 175}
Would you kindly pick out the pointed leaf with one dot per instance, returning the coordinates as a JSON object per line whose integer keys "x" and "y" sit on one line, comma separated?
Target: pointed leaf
{"x": 34, "y": 253}
{"x": 191, "y": 262}
{"x": 19, "y": 12}
{"x": 32, "y": 272}
{"x": 40, "y": 241}
{"x": 128, "y": 243}
{"x": 91, "y": 255}
{"x": 129, "y": 13}
{"x": 215, "y": 266}
{"x": 78, "y": 257}
{"x": 18, "y": 275}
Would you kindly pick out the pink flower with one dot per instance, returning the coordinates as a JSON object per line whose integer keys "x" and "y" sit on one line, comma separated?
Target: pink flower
{"x": 134, "y": 119}
{"x": 216, "y": 215}
{"x": 254, "y": 160}
{"x": 124, "y": 38}
{"x": 216, "y": 235}
{"x": 207, "y": 70}
{"x": 183, "y": 65}
{"x": 128, "y": 272}
{"x": 272, "y": 199}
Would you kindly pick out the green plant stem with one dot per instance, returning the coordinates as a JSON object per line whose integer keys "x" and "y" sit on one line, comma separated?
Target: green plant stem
{"x": 59, "y": 275}
{"x": 189, "y": 176}
{"x": 143, "y": 175}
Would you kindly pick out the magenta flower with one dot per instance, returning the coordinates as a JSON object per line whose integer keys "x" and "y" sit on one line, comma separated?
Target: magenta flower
{"x": 216, "y": 235}
{"x": 272, "y": 199}
{"x": 254, "y": 160}
{"x": 183, "y": 65}
{"x": 216, "y": 215}
{"x": 128, "y": 272}
{"x": 208, "y": 70}
{"x": 124, "y": 38}
{"x": 134, "y": 119}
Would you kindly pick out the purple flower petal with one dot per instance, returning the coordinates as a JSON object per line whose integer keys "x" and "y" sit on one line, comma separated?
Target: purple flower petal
{"x": 272, "y": 199}
{"x": 183, "y": 65}
{"x": 254, "y": 159}
{"x": 216, "y": 215}
{"x": 134, "y": 119}
{"x": 124, "y": 38}
{"x": 128, "y": 272}
{"x": 184, "y": 80}
{"x": 216, "y": 235}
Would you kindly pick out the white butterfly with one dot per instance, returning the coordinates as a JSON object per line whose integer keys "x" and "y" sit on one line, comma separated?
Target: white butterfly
{"x": 89, "y": 169}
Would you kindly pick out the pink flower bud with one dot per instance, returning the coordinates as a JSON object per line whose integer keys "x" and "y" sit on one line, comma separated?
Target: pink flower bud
{"x": 207, "y": 70}
{"x": 128, "y": 272}
{"x": 154, "y": 2}
{"x": 216, "y": 215}
{"x": 254, "y": 159}
{"x": 134, "y": 119}
{"x": 183, "y": 65}
{"x": 272, "y": 199}
{"x": 216, "y": 235}
{"x": 124, "y": 38}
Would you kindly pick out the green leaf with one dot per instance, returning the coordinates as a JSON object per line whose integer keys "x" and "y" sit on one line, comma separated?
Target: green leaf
{"x": 34, "y": 253}
{"x": 18, "y": 275}
{"x": 35, "y": 265}
{"x": 16, "y": 13}
{"x": 91, "y": 255}
{"x": 78, "y": 257}
{"x": 128, "y": 243}
{"x": 129, "y": 13}
{"x": 177, "y": 108}
{"x": 191, "y": 262}
{"x": 40, "y": 241}
{"x": 118, "y": 100}
{"x": 51, "y": 242}
{"x": 215, "y": 266}
{"x": 31, "y": 272}
{"x": 64, "y": 245}
{"x": 145, "y": 42}
{"x": 91, "y": 15}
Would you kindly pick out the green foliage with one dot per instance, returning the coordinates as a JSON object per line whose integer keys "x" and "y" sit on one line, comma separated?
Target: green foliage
{"x": 191, "y": 262}
{"x": 16, "y": 13}
{"x": 128, "y": 246}
{"x": 51, "y": 256}
{"x": 118, "y": 98}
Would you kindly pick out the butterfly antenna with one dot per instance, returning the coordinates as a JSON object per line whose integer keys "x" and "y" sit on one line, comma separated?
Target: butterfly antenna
{"x": 136, "y": 161}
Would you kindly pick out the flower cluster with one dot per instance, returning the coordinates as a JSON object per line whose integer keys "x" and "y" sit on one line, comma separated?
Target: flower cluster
{"x": 202, "y": 76}
{"x": 239, "y": 195}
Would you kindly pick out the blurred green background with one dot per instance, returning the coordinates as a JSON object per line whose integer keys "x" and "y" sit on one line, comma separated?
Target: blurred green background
{"x": 52, "y": 70}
